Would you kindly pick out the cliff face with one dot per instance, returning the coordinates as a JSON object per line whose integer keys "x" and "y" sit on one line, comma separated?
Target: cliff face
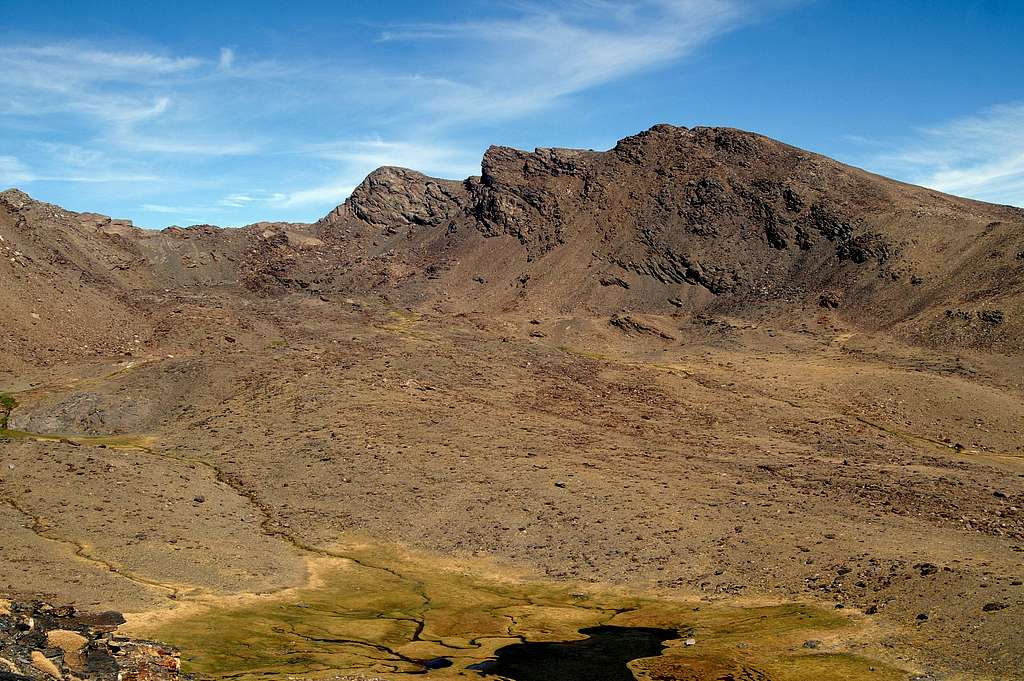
{"x": 670, "y": 220}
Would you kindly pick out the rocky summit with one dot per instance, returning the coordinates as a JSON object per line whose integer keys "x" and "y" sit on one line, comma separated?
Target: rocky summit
{"x": 702, "y": 382}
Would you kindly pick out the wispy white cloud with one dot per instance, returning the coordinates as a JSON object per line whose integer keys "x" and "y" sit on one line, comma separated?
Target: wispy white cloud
{"x": 321, "y": 195}
{"x": 72, "y": 154}
{"x": 160, "y": 208}
{"x": 14, "y": 172}
{"x": 525, "y": 61}
{"x": 79, "y": 61}
{"x": 119, "y": 110}
{"x": 180, "y": 215}
{"x": 223, "y": 205}
{"x": 74, "y": 78}
{"x": 237, "y": 201}
{"x": 513, "y": 66}
{"x": 138, "y": 101}
{"x": 980, "y": 156}
{"x": 227, "y": 58}
{"x": 169, "y": 144}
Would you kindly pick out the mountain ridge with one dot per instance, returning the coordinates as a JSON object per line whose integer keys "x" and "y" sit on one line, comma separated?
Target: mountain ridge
{"x": 669, "y": 221}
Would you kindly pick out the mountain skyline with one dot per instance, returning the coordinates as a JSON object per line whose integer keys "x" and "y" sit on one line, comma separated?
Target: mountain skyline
{"x": 236, "y": 113}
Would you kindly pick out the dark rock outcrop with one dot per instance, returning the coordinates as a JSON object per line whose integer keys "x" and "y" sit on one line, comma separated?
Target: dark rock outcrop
{"x": 40, "y": 642}
{"x": 393, "y": 198}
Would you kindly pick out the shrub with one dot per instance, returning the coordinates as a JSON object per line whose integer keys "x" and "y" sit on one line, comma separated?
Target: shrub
{"x": 7, "y": 405}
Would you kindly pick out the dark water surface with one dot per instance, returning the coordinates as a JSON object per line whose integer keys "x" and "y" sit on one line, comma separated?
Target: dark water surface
{"x": 602, "y": 656}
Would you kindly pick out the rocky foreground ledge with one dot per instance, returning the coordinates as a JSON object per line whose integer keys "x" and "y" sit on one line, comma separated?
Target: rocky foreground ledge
{"x": 40, "y": 642}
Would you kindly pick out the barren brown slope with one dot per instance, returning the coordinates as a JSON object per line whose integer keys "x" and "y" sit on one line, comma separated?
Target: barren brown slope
{"x": 82, "y": 284}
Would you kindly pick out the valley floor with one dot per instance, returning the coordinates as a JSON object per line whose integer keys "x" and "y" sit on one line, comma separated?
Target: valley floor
{"x": 728, "y": 461}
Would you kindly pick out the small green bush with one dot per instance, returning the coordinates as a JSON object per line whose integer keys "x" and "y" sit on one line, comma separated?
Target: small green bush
{"x": 7, "y": 405}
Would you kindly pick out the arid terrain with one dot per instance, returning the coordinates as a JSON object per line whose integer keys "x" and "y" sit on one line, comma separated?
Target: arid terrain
{"x": 699, "y": 381}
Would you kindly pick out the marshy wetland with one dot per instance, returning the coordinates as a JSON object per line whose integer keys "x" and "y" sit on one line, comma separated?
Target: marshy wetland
{"x": 391, "y": 612}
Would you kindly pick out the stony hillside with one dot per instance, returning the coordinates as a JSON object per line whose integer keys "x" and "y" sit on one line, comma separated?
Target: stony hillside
{"x": 687, "y": 220}
{"x": 80, "y": 284}
{"x": 670, "y": 221}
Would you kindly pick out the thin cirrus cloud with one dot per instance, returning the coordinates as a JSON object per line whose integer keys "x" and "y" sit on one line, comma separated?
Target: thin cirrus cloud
{"x": 981, "y": 156}
{"x": 227, "y": 58}
{"x": 212, "y": 126}
{"x": 14, "y": 172}
{"x": 530, "y": 61}
{"x": 62, "y": 66}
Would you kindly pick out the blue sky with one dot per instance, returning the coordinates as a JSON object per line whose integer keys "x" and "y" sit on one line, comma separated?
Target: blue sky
{"x": 231, "y": 112}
